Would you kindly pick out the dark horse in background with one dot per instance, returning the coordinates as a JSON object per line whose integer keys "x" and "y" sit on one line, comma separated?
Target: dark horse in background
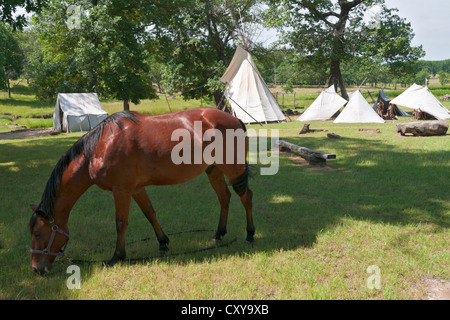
{"x": 123, "y": 154}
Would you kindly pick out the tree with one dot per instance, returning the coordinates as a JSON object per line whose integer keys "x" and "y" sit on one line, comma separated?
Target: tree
{"x": 422, "y": 76}
{"x": 443, "y": 78}
{"x": 197, "y": 40}
{"x": 10, "y": 57}
{"x": 103, "y": 52}
{"x": 329, "y": 34}
{"x": 9, "y": 15}
{"x": 288, "y": 87}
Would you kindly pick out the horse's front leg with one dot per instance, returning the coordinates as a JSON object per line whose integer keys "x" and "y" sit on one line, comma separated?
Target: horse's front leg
{"x": 122, "y": 202}
{"x": 146, "y": 206}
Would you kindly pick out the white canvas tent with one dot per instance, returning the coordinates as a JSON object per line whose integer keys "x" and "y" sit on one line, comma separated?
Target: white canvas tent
{"x": 77, "y": 112}
{"x": 247, "y": 93}
{"x": 358, "y": 110}
{"x": 324, "y": 107}
{"x": 420, "y": 98}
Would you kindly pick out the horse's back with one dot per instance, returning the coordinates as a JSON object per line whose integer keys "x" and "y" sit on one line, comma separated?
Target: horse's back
{"x": 211, "y": 117}
{"x": 140, "y": 152}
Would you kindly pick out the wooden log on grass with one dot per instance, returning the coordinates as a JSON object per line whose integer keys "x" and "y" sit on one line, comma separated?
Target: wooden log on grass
{"x": 333, "y": 136}
{"x": 426, "y": 128}
{"x": 313, "y": 155}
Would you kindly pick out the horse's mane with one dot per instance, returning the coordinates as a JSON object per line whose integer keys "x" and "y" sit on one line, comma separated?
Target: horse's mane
{"x": 85, "y": 145}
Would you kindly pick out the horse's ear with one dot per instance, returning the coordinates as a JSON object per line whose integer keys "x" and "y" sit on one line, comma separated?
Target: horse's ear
{"x": 38, "y": 211}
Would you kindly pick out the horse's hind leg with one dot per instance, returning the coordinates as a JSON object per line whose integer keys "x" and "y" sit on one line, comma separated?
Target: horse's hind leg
{"x": 246, "y": 200}
{"x": 145, "y": 204}
{"x": 217, "y": 180}
{"x": 240, "y": 186}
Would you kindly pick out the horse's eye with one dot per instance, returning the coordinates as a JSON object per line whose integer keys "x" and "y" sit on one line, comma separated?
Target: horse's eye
{"x": 37, "y": 234}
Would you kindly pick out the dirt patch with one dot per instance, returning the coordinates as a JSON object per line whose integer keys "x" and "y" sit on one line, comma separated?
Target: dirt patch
{"x": 437, "y": 289}
{"x": 26, "y": 133}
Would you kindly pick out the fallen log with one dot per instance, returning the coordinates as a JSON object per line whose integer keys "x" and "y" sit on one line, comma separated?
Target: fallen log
{"x": 426, "y": 128}
{"x": 333, "y": 136}
{"x": 314, "y": 156}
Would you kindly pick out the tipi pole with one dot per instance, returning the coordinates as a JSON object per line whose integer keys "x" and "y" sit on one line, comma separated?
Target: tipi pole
{"x": 245, "y": 111}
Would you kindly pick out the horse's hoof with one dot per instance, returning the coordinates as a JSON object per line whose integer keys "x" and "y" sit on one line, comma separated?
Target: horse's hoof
{"x": 111, "y": 262}
{"x": 163, "y": 249}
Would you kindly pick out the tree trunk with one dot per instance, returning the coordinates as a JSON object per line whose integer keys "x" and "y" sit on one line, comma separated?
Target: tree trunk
{"x": 9, "y": 88}
{"x": 336, "y": 78}
{"x": 126, "y": 105}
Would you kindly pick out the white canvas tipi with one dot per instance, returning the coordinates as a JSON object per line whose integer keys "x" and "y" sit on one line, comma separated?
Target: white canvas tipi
{"x": 420, "y": 98}
{"x": 324, "y": 107}
{"x": 247, "y": 93}
{"x": 358, "y": 110}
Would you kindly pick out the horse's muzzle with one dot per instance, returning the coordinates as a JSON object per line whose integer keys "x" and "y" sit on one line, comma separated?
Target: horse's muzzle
{"x": 41, "y": 270}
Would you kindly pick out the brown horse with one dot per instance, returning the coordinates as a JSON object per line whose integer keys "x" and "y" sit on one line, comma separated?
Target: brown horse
{"x": 125, "y": 153}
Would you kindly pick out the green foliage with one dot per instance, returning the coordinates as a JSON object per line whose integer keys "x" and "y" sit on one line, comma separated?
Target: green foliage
{"x": 197, "y": 40}
{"x": 288, "y": 87}
{"x": 435, "y": 67}
{"x": 10, "y": 55}
{"x": 443, "y": 78}
{"x": 103, "y": 54}
{"x": 9, "y": 15}
{"x": 322, "y": 32}
{"x": 422, "y": 76}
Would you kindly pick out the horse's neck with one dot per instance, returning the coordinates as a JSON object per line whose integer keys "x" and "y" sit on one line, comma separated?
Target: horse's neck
{"x": 74, "y": 182}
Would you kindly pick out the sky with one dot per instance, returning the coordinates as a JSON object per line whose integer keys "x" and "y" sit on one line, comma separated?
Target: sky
{"x": 430, "y": 22}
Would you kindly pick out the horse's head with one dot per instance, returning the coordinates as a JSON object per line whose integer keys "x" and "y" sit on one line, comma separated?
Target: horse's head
{"x": 47, "y": 241}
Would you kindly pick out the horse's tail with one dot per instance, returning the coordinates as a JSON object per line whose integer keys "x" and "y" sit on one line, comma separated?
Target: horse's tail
{"x": 241, "y": 184}
{"x": 243, "y": 125}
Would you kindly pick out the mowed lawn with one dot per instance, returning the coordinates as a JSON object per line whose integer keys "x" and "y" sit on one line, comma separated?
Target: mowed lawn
{"x": 382, "y": 205}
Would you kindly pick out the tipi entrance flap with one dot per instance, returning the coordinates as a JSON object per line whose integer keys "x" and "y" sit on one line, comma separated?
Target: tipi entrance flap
{"x": 386, "y": 104}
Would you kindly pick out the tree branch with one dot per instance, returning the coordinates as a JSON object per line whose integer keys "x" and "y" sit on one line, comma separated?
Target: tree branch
{"x": 320, "y": 15}
{"x": 349, "y": 4}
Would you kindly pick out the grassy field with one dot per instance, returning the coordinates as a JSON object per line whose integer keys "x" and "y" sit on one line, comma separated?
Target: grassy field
{"x": 25, "y": 110}
{"x": 383, "y": 202}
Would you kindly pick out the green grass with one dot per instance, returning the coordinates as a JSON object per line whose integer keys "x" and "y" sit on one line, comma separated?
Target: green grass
{"x": 29, "y": 112}
{"x": 384, "y": 201}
